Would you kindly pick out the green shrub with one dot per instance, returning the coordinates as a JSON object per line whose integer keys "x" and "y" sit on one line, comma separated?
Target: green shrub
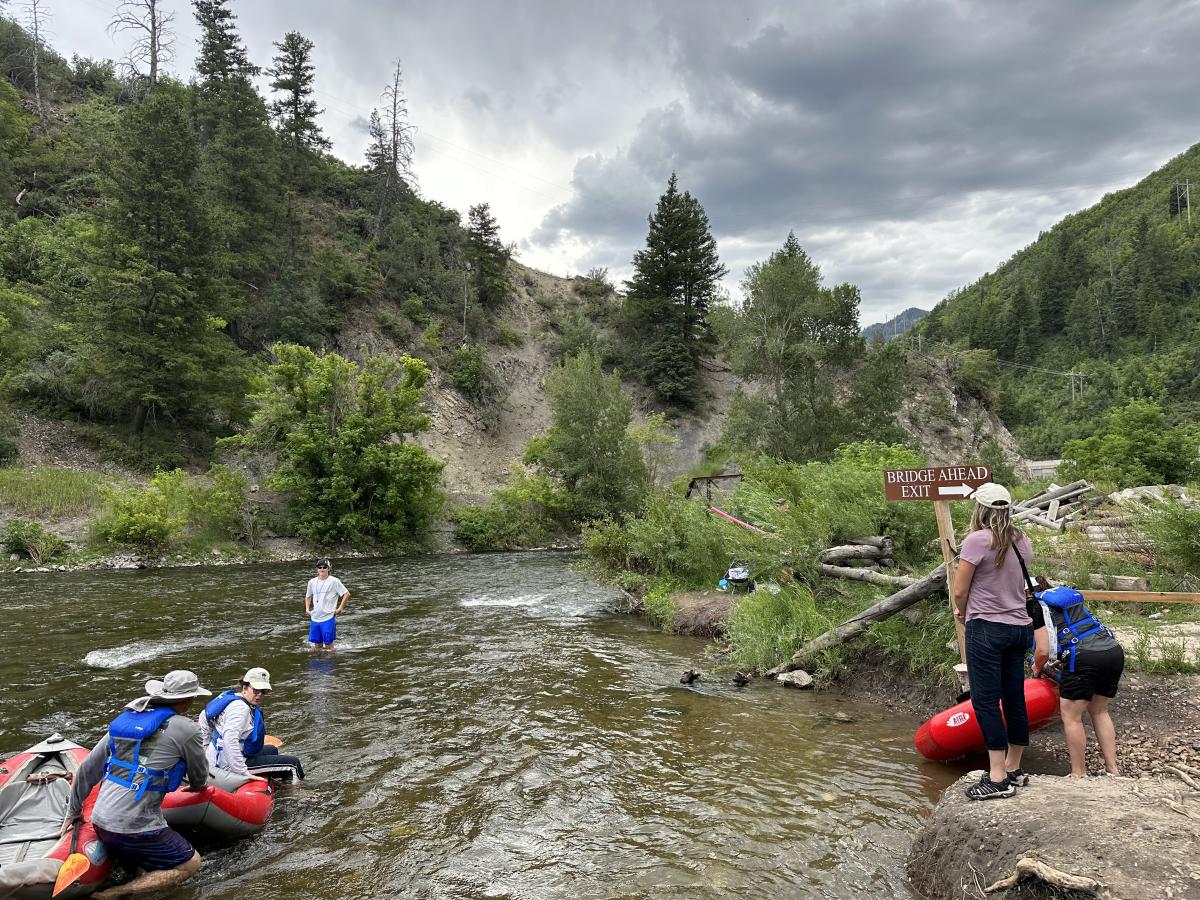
{"x": 414, "y": 307}
{"x": 431, "y": 339}
{"x": 31, "y": 540}
{"x": 470, "y": 373}
{"x": 524, "y": 513}
{"x": 140, "y": 520}
{"x": 658, "y": 606}
{"x": 507, "y": 336}
{"x": 1174, "y": 528}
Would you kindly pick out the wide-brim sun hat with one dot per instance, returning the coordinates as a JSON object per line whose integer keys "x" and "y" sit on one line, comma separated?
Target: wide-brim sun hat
{"x": 180, "y": 684}
{"x": 993, "y": 496}
{"x": 258, "y": 678}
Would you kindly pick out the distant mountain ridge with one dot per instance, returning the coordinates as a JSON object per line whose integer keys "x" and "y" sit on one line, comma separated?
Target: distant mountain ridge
{"x": 895, "y": 326}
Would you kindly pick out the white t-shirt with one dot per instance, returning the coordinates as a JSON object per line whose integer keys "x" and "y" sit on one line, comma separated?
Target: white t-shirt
{"x": 325, "y": 596}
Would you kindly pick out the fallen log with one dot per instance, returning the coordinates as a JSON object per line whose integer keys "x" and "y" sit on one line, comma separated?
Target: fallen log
{"x": 867, "y": 575}
{"x": 883, "y": 542}
{"x": 933, "y": 583}
{"x": 1111, "y": 522}
{"x": 852, "y": 551}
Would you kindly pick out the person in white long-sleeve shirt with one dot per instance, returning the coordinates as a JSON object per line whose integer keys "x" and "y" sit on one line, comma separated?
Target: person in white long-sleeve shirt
{"x": 233, "y": 725}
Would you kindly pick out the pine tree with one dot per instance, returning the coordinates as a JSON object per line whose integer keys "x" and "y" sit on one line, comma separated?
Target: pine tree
{"x": 223, "y": 59}
{"x": 296, "y": 112}
{"x": 488, "y": 257}
{"x": 240, "y": 169}
{"x": 156, "y": 341}
{"x": 678, "y": 275}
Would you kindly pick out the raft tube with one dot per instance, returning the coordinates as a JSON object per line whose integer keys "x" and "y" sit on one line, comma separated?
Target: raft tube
{"x": 35, "y": 788}
{"x": 954, "y": 732}
{"x": 230, "y": 805}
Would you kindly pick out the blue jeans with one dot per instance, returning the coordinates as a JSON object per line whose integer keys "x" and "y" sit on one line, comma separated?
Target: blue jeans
{"x": 996, "y": 667}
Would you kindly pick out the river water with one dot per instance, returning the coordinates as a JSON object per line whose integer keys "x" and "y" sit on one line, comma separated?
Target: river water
{"x": 489, "y": 727}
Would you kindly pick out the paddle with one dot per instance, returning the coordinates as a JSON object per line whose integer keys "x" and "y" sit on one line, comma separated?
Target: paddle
{"x": 73, "y": 867}
{"x": 271, "y": 741}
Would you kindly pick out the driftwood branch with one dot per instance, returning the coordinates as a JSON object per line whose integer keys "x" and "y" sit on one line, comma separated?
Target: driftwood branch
{"x": 1028, "y": 867}
{"x": 867, "y": 575}
{"x": 932, "y": 583}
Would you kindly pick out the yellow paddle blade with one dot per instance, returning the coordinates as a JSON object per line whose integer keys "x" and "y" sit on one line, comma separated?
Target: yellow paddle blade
{"x": 271, "y": 741}
{"x": 74, "y": 866}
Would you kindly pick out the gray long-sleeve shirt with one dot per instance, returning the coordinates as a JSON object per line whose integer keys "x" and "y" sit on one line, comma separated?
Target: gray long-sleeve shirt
{"x": 116, "y": 809}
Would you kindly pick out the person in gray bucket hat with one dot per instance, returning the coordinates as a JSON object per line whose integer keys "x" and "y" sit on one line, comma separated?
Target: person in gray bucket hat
{"x": 146, "y": 752}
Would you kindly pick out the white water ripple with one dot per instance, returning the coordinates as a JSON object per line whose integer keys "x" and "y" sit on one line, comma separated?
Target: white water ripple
{"x": 135, "y": 652}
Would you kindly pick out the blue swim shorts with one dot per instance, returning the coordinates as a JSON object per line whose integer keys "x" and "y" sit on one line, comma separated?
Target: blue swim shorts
{"x": 149, "y": 850}
{"x": 322, "y": 632}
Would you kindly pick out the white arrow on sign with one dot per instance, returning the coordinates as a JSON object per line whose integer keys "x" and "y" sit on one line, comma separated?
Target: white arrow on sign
{"x": 956, "y": 490}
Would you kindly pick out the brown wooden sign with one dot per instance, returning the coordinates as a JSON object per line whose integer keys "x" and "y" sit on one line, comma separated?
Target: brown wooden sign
{"x": 934, "y": 483}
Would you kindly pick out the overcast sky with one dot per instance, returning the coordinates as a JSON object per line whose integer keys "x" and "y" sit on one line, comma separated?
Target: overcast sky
{"x": 912, "y": 146}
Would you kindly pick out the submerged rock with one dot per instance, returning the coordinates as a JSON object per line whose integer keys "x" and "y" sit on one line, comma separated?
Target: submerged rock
{"x": 797, "y": 678}
{"x": 1098, "y": 837}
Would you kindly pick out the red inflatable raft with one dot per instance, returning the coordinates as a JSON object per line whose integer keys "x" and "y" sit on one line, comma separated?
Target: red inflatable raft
{"x": 954, "y": 732}
{"x": 230, "y": 805}
{"x": 35, "y": 788}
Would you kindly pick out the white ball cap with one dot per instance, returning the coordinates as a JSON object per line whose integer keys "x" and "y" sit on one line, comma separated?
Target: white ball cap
{"x": 259, "y": 678}
{"x": 993, "y": 496}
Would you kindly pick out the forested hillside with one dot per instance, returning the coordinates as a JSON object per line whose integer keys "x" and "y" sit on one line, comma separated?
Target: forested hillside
{"x": 1095, "y": 331}
{"x": 163, "y": 235}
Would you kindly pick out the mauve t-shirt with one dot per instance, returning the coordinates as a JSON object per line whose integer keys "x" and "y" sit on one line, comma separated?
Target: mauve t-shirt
{"x": 997, "y": 595}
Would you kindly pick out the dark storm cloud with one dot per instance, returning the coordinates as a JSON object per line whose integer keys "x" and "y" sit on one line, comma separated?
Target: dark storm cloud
{"x": 896, "y": 114}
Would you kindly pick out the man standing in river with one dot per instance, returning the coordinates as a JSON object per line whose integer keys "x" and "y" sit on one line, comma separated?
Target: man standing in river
{"x": 325, "y": 597}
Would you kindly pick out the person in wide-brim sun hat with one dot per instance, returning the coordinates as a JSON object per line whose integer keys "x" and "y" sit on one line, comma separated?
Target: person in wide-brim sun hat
{"x": 990, "y": 601}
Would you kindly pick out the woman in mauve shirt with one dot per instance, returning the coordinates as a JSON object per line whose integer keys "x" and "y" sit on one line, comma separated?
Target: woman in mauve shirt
{"x": 989, "y": 597}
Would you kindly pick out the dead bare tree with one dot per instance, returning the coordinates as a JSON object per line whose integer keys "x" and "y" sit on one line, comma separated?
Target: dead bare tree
{"x": 390, "y": 155}
{"x": 36, "y": 17}
{"x": 154, "y": 43}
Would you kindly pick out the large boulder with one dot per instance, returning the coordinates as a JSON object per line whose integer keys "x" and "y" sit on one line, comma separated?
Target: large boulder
{"x": 1125, "y": 838}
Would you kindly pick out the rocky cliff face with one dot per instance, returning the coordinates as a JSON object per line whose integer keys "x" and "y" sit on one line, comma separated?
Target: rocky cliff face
{"x": 479, "y": 451}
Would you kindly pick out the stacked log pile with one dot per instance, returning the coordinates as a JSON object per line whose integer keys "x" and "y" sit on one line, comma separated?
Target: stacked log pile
{"x": 1055, "y": 507}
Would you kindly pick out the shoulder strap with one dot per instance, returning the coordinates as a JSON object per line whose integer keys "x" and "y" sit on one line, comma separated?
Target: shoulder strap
{"x": 1030, "y": 584}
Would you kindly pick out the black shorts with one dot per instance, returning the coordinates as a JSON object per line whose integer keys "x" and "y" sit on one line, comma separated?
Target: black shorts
{"x": 1096, "y": 672}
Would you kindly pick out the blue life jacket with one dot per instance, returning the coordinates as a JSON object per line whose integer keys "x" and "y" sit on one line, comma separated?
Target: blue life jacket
{"x": 1073, "y": 621}
{"x": 130, "y": 729}
{"x": 258, "y": 733}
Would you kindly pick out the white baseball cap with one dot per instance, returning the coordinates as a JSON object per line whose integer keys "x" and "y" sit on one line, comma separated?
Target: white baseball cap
{"x": 993, "y": 496}
{"x": 259, "y": 678}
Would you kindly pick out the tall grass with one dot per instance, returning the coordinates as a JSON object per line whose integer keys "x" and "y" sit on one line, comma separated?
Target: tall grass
{"x": 768, "y": 627}
{"x": 49, "y": 492}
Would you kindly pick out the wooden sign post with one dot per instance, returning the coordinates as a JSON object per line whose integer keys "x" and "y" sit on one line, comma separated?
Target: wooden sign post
{"x": 940, "y": 484}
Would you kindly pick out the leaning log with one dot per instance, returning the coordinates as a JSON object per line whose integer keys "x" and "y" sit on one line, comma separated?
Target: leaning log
{"x": 1028, "y": 515}
{"x": 867, "y": 575}
{"x": 1043, "y": 500}
{"x": 852, "y": 551}
{"x": 933, "y": 583}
